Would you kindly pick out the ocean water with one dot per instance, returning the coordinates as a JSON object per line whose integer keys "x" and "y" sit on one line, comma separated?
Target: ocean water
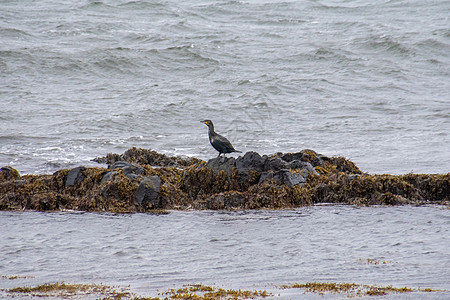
{"x": 249, "y": 250}
{"x": 368, "y": 80}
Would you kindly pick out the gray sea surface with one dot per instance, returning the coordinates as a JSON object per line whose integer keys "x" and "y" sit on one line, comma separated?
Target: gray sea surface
{"x": 364, "y": 79}
{"x": 256, "y": 250}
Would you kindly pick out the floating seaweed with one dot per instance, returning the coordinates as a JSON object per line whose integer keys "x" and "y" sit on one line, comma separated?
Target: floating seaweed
{"x": 352, "y": 289}
{"x": 198, "y": 291}
{"x": 205, "y": 292}
{"x": 63, "y": 290}
{"x": 194, "y": 291}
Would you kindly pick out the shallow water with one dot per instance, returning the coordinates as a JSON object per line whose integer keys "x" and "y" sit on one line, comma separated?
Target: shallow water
{"x": 249, "y": 249}
{"x": 368, "y": 80}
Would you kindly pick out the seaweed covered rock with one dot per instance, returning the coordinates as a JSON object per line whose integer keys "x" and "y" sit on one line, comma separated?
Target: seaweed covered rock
{"x": 287, "y": 169}
{"x": 307, "y": 155}
{"x": 384, "y": 189}
{"x": 8, "y": 173}
{"x": 251, "y": 161}
{"x": 148, "y": 191}
{"x": 226, "y": 200}
{"x": 221, "y": 163}
{"x": 132, "y": 171}
{"x": 146, "y": 157}
{"x": 285, "y": 177}
{"x": 143, "y": 180}
{"x": 75, "y": 176}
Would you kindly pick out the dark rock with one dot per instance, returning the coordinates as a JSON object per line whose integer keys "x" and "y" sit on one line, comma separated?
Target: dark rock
{"x": 107, "y": 176}
{"x": 221, "y": 163}
{"x": 250, "y": 161}
{"x": 265, "y": 176}
{"x": 298, "y": 164}
{"x": 249, "y": 167}
{"x": 119, "y": 165}
{"x": 288, "y": 157}
{"x": 314, "y": 158}
{"x": 132, "y": 176}
{"x": 234, "y": 200}
{"x": 226, "y": 200}
{"x": 100, "y": 160}
{"x": 275, "y": 164}
{"x": 284, "y": 176}
{"x": 148, "y": 191}
{"x": 130, "y": 170}
{"x": 306, "y": 167}
{"x": 344, "y": 165}
{"x": 306, "y": 155}
{"x": 8, "y": 173}
{"x": 75, "y": 176}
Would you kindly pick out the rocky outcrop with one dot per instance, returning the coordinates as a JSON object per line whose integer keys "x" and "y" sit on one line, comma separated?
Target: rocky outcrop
{"x": 147, "y": 192}
{"x": 8, "y": 173}
{"x": 75, "y": 176}
{"x": 142, "y": 180}
{"x": 146, "y": 157}
{"x": 289, "y": 170}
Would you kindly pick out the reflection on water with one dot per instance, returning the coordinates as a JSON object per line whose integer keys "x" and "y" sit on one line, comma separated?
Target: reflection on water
{"x": 399, "y": 246}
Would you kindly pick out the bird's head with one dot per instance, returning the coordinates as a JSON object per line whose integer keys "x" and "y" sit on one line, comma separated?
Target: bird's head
{"x": 207, "y": 122}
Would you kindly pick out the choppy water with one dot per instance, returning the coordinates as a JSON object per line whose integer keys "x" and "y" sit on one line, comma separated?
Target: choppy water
{"x": 250, "y": 250}
{"x": 368, "y": 80}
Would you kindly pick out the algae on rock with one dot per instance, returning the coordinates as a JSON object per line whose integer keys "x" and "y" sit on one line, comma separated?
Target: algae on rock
{"x": 143, "y": 180}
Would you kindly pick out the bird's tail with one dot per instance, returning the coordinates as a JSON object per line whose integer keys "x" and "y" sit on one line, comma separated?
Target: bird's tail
{"x": 237, "y": 151}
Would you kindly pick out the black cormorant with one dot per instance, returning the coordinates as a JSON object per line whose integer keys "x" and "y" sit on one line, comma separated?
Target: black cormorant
{"x": 220, "y": 143}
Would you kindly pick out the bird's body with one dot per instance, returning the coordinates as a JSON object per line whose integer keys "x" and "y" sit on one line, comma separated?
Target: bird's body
{"x": 220, "y": 143}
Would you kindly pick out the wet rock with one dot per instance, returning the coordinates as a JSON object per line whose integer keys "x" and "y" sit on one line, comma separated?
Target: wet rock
{"x": 254, "y": 168}
{"x": 132, "y": 176}
{"x": 265, "y": 176}
{"x": 75, "y": 176}
{"x": 107, "y": 176}
{"x": 285, "y": 177}
{"x": 298, "y": 164}
{"x": 130, "y": 170}
{"x": 306, "y": 155}
{"x": 147, "y": 157}
{"x": 227, "y": 200}
{"x": 275, "y": 163}
{"x": 148, "y": 192}
{"x": 344, "y": 165}
{"x": 249, "y": 167}
{"x": 8, "y": 173}
{"x": 288, "y": 157}
{"x": 250, "y": 161}
{"x": 221, "y": 163}
{"x": 306, "y": 167}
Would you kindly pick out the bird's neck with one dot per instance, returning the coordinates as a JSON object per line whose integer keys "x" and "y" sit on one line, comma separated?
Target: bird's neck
{"x": 211, "y": 129}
